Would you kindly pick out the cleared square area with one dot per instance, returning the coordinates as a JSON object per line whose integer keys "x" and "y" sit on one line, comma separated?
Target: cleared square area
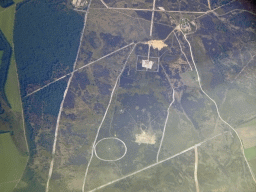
{"x": 150, "y": 64}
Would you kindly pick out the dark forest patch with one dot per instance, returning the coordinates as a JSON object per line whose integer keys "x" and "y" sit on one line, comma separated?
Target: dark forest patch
{"x": 46, "y": 38}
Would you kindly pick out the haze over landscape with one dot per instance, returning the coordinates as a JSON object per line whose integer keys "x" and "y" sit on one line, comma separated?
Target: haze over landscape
{"x": 127, "y": 95}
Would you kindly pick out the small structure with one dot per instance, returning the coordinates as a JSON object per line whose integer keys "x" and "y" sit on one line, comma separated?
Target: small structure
{"x": 79, "y": 3}
{"x": 187, "y": 26}
{"x": 161, "y": 8}
{"x": 147, "y": 64}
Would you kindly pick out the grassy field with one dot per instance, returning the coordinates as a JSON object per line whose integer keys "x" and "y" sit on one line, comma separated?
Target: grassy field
{"x": 250, "y": 153}
{"x": 249, "y": 123}
{"x": 8, "y": 186}
{"x": 7, "y": 22}
{"x": 12, "y": 87}
{"x": 253, "y": 165}
{"x": 12, "y": 164}
{"x": 15, "y": 1}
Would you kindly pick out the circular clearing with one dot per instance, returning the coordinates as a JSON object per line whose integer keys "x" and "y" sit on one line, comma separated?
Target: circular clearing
{"x": 110, "y": 149}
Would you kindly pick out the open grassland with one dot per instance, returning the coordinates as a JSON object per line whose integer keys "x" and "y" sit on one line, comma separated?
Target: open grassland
{"x": 253, "y": 165}
{"x": 251, "y": 123}
{"x": 250, "y": 153}
{"x": 12, "y": 84}
{"x": 12, "y": 164}
{"x": 7, "y": 22}
{"x": 247, "y": 132}
{"x": 7, "y": 186}
{"x": 12, "y": 87}
{"x": 13, "y": 5}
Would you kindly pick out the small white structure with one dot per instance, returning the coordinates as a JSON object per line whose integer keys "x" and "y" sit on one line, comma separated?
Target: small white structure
{"x": 161, "y": 8}
{"x": 79, "y": 3}
{"x": 147, "y": 64}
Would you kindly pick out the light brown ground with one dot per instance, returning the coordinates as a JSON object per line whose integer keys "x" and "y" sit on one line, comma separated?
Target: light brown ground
{"x": 157, "y": 44}
{"x": 248, "y": 136}
{"x": 79, "y": 3}
{"x": 145, "y": 137}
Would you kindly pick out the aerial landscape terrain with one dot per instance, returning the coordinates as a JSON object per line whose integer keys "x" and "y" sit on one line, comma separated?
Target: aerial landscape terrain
{"x": 127, "y": 95}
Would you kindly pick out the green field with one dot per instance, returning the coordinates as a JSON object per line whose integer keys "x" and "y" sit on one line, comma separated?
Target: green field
{"x": 250, "y": 153}
{"x": 12, "y": 164}
{"x": 7, "y": 22}
{"x": 12, "y": 84}
{"x": 249, "y": 123}
{"x": 8, "y": 186}
{"x": 15, "y": 1}
{"x": 12, "y": 87}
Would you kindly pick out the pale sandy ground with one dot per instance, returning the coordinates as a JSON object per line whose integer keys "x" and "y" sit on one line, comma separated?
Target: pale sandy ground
{"x": 145, "y": 137}
{"x": 79, "y": 3}
{"x": 157, "y": 44}
{"x": 248, "y": 136}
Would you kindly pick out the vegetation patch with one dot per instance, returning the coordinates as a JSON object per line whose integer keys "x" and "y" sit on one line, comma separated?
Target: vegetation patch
{"x": 46, "y": 39}
{"x": 6, "y": 3}
{"x": 5, "y": 62}
{"x": 12, "y": 87}
{"x": 12, "y": 163}
{"x": 250, "y": 153}
{"x": 7, "y": 22}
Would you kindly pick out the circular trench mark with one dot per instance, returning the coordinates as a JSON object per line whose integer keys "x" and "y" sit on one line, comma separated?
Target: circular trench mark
{"x": 110, "y": 149}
